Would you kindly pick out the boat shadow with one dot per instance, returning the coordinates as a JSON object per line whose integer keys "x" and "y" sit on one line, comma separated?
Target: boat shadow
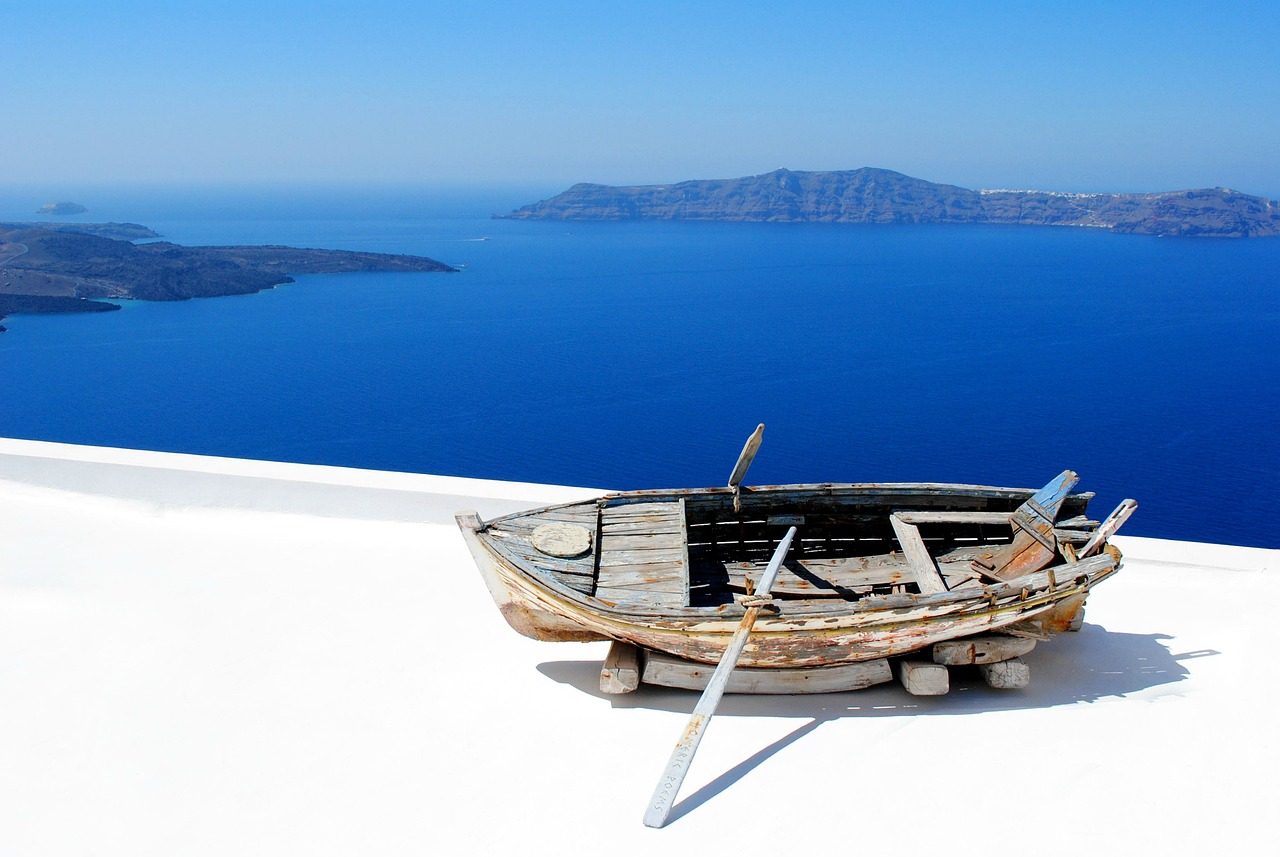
{"x": 1086, "y": 666}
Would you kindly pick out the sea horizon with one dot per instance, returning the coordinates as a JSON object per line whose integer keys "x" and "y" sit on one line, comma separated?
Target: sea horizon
{"x": 641, "y": 354}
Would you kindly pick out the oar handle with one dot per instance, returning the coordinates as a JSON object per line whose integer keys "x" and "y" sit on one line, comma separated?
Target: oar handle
{"x": 678, "y": 765}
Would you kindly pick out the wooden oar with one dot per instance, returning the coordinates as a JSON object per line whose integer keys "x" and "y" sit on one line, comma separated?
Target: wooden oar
{"x": 678, "y": 765}
{"x": 1108, "y": 527}
{"x": 748, "y": 455}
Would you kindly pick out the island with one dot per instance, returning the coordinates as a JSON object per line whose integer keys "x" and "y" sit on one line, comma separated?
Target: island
{"x": 74, "y": 268}
{"x": 62, "y": 209}
{"x": 871, "y": 195}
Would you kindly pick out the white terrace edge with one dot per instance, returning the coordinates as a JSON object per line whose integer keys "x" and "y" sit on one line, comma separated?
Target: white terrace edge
{"x": 181, "y": 480}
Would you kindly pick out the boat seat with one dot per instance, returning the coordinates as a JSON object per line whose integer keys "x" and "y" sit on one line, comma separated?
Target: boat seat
{"x": 643, "y": 555}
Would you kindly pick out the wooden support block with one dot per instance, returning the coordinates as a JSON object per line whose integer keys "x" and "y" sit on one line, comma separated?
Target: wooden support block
{"x": 621, "y": 671}
{"x": 1077, "y": 621}
{"x": 923, "y": 678}
{"x": 1010, "y": 674}
{"x": 668, "y": 671}
{"x": 986, "y": 649}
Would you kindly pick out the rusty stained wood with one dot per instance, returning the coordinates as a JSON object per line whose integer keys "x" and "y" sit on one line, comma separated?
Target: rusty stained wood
{"x": 1033, "y": 544}
{"x": 986, "y": 649}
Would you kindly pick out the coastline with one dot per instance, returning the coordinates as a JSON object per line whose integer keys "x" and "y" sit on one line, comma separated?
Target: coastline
{"x": 70, "y": 268}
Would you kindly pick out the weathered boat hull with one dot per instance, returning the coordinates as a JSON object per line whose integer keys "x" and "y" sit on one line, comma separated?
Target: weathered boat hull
{"x": 803, "y": 632}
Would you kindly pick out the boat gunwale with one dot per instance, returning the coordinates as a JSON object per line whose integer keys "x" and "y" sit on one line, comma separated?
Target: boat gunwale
{"x": 868, "y": 489}
{"x": 802, "y": 610}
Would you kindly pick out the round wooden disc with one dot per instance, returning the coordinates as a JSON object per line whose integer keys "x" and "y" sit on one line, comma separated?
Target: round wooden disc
{"x": 562, "y": 540}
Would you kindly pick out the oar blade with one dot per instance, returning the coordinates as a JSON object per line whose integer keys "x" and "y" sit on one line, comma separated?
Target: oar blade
{"x": 749, "y": 450}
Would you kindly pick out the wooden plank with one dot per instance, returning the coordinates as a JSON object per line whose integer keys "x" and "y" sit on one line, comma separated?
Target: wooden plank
{"x": 652, "y": 520}
{"x": 640, "y": 557}
{"x": 643, "y": 582}
{"x": 622, "y": 670}
{"x": 624, "y": 511}
{"x": 986, "y": 649}
{"x": 923, "y": 678}
{"x": 1079, "y": 522}
{"x": 823, "y": 585}
{"x": 1006, "y": 675}
{"x": 953, "y": 517}
{"x": 1065, "y": 536}
{"x": 664, "y": 568}
{"x": 637, "y": 598}
{"x": 685, "y": 579}
{"x": 585, "y": 517}
{"x": 922, "y": 566}
{"x": 837, "y": 576}
{"x": 527, "y": 556}
{"x": 642, "y": 542}
{"x": 658, "y": 525}
{"x": 669, "y": 671}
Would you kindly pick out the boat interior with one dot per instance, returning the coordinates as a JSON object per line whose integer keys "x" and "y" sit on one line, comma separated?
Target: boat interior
{"x": 701, "y": 549}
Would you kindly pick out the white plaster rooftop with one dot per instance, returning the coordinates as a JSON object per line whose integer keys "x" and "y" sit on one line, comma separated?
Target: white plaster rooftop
{"x": 217, "y": 657}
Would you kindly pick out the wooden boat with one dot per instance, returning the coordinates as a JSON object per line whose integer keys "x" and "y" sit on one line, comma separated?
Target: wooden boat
{"x": 875, "y": 571}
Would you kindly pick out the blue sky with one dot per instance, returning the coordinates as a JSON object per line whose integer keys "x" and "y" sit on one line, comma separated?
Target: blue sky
{"x": 1070, "y": 96}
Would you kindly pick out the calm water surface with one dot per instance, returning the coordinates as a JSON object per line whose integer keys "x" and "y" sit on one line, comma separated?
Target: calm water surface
{"x": 627, "y": 355}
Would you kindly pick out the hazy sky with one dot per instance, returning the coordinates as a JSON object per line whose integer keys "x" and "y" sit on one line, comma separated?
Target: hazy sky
{"x": 1072, "y": 96}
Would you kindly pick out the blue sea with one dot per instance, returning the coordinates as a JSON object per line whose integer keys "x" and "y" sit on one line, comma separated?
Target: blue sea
{"x": 641, "y": 355}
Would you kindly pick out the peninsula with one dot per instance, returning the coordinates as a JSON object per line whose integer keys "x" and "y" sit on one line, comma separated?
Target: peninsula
{"x": 72, "y": 267}
{"x": 870, "y": 195}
